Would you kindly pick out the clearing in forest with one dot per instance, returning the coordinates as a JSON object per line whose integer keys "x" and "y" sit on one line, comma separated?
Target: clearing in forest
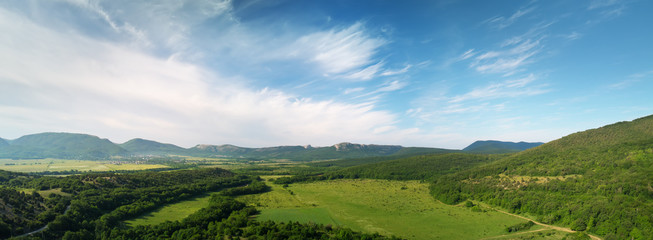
{"x": 400, "y": 208}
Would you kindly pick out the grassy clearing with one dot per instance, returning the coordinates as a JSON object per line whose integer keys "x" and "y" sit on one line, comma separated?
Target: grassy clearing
{"x": 44, "y": 193}
{"x": 540, "y": 234}
{"x": 171, "y": 212}
{"x": 50, "y": 164}
{"x": 401, "y": 208}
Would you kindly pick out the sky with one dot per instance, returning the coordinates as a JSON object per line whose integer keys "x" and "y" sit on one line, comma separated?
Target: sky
{"x": 273, "y": 72}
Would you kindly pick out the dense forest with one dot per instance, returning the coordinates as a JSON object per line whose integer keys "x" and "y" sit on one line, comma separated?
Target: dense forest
{"x": 423, "y": 167}
{"x": 95, "y": 205}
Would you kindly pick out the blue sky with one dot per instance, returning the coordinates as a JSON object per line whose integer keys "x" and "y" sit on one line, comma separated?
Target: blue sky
{"x": 267, "y": 73}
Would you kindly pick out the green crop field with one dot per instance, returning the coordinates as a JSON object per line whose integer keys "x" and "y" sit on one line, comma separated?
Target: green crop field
{"x": 172, "y": 212}
{"x": 401, "y": 208}
{"x": 50, "y": 164}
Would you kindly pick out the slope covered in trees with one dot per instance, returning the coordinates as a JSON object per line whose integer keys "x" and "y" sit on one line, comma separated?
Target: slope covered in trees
{"x": 598, "y": 180}
{"x": 422, "y": 167}
{"x": 492, "y": 146}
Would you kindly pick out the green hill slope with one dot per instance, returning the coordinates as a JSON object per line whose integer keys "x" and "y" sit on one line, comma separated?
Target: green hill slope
{"x": 499, "y": 146}
{"x": 599, "y": 180}
{"x": 140, "y": 146}
{"x": 61, "y": 145}
{"x": 3, "y": 142}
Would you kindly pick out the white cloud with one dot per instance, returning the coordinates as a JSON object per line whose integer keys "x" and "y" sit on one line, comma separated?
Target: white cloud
{"x": 508, "y": 60}
{"x": 396, "y": 72}
{"x": 79, "y": 84}
{"x": 341, "y": 51}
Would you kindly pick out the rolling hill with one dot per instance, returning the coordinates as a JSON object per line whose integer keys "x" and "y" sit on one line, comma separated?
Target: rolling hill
{"x": 61, "y": 145}
{"x": 83, "y": 146}
{"x": 492, "y": 146}
{"x": 597, "y": 180}
{"x": 139, "y": 146}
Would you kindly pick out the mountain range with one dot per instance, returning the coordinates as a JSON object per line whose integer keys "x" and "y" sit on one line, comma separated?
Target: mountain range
{"x": 84, "y": 146}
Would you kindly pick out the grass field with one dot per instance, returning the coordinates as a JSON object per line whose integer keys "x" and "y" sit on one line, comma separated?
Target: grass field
{"x": 49, "y": 164}
{"x": 398, "y": 208}
{"x": 172, "y": 212}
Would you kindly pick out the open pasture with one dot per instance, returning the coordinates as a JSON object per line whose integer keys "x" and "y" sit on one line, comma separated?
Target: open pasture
{"x": 401, "y": 208}
{"x": 54, "y": 165}
{"x": 172, "y": 212}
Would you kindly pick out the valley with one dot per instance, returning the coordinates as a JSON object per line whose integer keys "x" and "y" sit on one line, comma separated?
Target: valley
{"x": 593, "y": 184}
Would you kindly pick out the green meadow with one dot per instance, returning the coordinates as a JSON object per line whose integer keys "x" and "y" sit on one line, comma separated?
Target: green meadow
{"x": 51, "y": 164}
{"x": 172, "y": 212}
{"x": 400, "y": 208}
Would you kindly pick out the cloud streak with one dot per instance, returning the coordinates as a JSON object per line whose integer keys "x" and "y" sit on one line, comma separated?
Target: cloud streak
{"x": 501, "y": 22}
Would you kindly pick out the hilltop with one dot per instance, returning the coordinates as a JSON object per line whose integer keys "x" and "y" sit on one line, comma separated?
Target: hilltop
{"x": 139, "y": 146}
{"x": 597, "y": 180}
{"x": 61, "y": 145}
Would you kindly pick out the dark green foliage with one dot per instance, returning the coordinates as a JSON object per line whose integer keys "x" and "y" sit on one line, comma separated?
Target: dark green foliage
{"x": 140, "y": 146}
{"x": 226, "y": 218}
{"x": 252, "y": 188}
{"x": 402, "y": 153}
{"x": 102, "y": 200}
{"x": 422, "y": 167}
{"x": 491, "y": 146}
{"x": 21, "y": 213}
{"x": 597, "y": 180}
{"x": 577, "y": 236}
{"x": 520, "y": 226}
{"x": 61, "y": 145}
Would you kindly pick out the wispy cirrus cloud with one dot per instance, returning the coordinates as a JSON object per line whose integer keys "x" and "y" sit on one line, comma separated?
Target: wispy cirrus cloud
{"x": 631, "y": 80}
{"x": 602, "y": 3}
{"x": 506, "y": 89}
{"x": 508, "y": 60}
{"x": 348, "y": 51}
{"x": 501, "y": 22}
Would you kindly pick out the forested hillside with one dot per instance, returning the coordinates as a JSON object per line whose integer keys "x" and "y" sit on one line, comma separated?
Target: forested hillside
{"x": 598, "y": 180}
{"x": 499, "y": 146}
{"x": 422, "y": 167}
{"x": 61, "y": 145}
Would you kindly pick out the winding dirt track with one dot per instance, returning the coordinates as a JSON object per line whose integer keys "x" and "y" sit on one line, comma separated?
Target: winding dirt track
{"x": 546, "y": 225}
